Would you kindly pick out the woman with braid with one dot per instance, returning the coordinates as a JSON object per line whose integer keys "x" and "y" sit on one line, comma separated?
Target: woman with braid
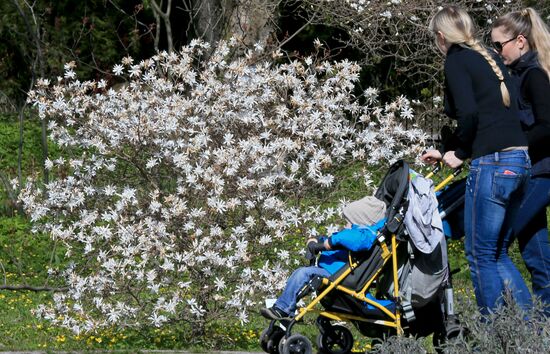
{"x": 479, "y": 95}
{"x": 523, "y": 41}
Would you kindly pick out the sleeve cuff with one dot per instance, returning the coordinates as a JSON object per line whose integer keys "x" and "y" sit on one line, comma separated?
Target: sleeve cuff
{"x": 461, "y": 154}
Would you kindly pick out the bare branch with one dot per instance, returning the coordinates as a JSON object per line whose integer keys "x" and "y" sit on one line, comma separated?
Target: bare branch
{"x": 165, "y": 15}
{"x": 398, "y": 32}
{"x": 295, "y": 33}
{"x": 4, "y": 271}
{"x": 32, "y": 288}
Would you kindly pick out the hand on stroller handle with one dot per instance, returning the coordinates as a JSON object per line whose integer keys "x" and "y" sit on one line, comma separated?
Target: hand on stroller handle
{"x": 434, "y": 156}
{"x": 449, "y": 178}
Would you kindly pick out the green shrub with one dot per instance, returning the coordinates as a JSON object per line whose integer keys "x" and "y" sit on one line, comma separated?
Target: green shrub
{"x": 508, "y": 330}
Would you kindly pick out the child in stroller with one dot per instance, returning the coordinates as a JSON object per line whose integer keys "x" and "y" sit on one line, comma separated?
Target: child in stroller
{"x": 364, "y": 217}
{"x": 373, "y": 289}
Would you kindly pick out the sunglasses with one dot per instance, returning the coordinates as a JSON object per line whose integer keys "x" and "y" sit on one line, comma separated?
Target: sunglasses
{"x": 500, "y": 45}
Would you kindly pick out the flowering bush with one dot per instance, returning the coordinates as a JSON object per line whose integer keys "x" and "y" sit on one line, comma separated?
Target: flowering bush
{"x": 176, "y": 187}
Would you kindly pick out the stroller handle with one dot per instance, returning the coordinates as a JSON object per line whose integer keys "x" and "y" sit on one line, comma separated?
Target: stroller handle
{"x": 448, "y": 179}
{"x": 435, "y": 170}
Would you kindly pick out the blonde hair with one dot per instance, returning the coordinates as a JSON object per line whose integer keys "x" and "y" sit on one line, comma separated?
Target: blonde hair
{"x": 458, "y": 28}
{"x": 529, "y": 24}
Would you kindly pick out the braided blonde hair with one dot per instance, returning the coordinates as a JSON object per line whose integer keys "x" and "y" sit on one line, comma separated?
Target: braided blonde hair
{"x": 528, "y": 23}
{"x": 458, "y": 28}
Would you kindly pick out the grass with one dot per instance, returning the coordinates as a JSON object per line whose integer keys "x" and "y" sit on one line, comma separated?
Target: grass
{"x": 21, "y": 330}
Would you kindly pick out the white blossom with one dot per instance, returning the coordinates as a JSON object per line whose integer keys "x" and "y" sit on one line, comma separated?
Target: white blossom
{"x": 184, "y": 183}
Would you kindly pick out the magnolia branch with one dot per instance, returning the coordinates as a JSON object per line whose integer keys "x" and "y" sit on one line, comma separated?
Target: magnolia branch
{"x": 32, "y": 288}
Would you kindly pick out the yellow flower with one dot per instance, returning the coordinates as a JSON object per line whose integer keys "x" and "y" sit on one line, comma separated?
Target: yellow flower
{"x": 99, "y": 340}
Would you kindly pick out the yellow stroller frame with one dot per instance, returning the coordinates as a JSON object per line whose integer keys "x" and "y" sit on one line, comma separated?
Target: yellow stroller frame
{"x": 394, "y": 319}
{"x": 276, "y": 340}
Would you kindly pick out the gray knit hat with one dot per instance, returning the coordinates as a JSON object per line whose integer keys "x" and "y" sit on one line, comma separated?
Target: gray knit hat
{"x": 365, "y": 211}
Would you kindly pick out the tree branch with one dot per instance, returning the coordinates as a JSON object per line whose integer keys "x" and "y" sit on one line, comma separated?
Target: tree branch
{"x": 166, "y": 18}
{"x": 32, "y": 288}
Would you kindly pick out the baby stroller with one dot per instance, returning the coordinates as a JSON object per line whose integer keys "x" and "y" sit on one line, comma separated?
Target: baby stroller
{"x": 373, "y": 291}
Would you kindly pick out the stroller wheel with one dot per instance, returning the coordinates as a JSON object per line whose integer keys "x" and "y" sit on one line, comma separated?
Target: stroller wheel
{"x": 452, "y": 328}
{"x": 269, "y": 340}
{"x": 454, "y": 331}
{"x": 264, "y": 338}
{"x": 450, "y": 332}
{"x": 335, "y": 340}
{"x": 295, "y": 344}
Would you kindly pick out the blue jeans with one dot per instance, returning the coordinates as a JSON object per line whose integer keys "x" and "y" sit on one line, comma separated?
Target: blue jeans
{"x": 494, "y": 189}
{"x": 532, "y": 233}
{"x": 295, "y": 283}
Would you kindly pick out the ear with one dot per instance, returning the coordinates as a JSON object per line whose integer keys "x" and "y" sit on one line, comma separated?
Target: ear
{"x": 522, "y": 42}
{"x": 441, "y": 43}
{"x": 440, "y": 37}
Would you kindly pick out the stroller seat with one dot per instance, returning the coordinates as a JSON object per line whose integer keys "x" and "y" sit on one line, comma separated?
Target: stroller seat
{"x": 388, "y": 304}
{"x": 360, "y": 277}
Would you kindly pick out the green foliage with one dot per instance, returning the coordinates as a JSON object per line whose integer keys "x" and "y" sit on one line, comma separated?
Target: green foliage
{"x": 92, "y": 32}
{"x": 9, "y": 145}
{"x": 25, "y": 256}
{"x": 31, "y": 155}
{"x": 24, "y": 260}
{"x": 400, "y": 345}
{"x": 39, "y": 40}
{"x": 508, "y": 330}
{"x": 426, "y": 92}
{"x": 457, "y": 259}
{"x": 19, "y": 329}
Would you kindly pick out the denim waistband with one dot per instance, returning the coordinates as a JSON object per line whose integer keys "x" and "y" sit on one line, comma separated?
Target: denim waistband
{"x": 504, "y": 155}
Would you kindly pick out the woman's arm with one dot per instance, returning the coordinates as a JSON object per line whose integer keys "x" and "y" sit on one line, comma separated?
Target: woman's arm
{"x": 460, "y": 87}
{"x": 536, "y": 90}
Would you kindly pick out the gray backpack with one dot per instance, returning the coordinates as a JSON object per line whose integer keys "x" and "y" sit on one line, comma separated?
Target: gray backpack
{"x": 422, "y": 276}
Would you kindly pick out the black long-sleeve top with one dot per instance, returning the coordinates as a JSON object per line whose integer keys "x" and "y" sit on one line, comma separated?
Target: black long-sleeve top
{"x": 535, "y": 96}
{"x": 473, "y": 98}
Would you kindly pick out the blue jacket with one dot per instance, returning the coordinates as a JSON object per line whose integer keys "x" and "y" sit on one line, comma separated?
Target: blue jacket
{"x": 356, "y": 239}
